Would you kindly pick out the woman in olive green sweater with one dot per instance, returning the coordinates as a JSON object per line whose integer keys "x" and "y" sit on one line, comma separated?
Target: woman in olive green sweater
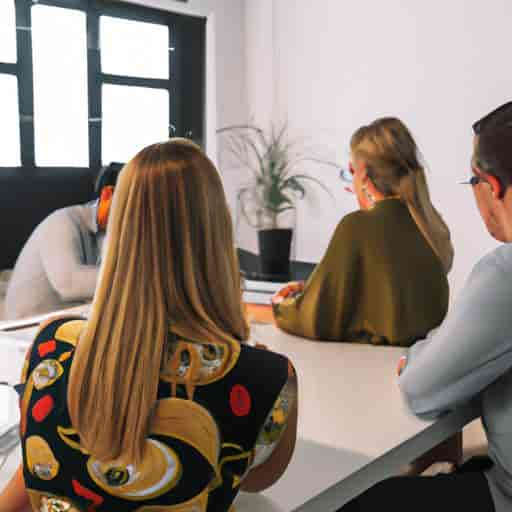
{"x": 383, "y": 277}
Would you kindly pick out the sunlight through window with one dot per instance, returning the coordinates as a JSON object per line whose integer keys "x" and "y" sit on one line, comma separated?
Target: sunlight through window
{"x": 133, "y": 117}
{"x": 60, "y": 86}
{"x": 133, "y": 48}
{"x": 9, "y": 122}
{"x": 7, "y": 31}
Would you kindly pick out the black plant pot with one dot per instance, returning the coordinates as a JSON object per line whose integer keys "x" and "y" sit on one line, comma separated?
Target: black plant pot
{"x": 275, "y": 246}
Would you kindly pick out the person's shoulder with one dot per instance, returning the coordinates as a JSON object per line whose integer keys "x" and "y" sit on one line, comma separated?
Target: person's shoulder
{"x": 492, "y": 270}
{"x": 59, "y": 217}
{"x": 265, "y": 364}
{"x": 82, "y": 209}
{"x": 265, "y": 374}
{"x": 262, "y": 353}
{"x": 354, "y": 219}
{"x": 61, "y": 328}
{"x": 352, "y": 223}
{"x": 68, "y": 217}
{"x": 502, "y": 255}
{"x": 56, "y": 336}
{"x": 350, "y": 231}
{"x": 499, "y": 259}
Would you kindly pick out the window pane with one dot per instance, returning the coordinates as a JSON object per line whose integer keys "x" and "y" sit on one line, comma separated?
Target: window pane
{"x": 133, "y": 117}
{"x": 9, "y": 122}
{"x": 7, "y": 31}
{"x": 133, "y": 48}
{"x": 60, "y": 87}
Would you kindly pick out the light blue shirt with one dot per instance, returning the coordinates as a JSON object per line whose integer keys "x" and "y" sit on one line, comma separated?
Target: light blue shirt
{"x": 470, "y": 355}
{"x": 58, "y": 266}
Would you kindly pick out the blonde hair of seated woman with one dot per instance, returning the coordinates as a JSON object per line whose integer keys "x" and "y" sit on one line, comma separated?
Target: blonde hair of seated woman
{"x": 169, "y": 239}
{"x": 387, "y": 164}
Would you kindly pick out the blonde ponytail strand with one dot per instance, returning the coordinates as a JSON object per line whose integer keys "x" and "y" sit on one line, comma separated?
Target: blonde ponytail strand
{"x": 413, "y": 190}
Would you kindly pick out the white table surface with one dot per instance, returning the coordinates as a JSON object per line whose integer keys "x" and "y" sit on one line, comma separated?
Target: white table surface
{"x": 354, "y": 428}
{"x": 12, "y": 355}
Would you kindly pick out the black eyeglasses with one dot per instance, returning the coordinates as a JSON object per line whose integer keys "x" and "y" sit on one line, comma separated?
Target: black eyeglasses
{"x": 347, "y": 175}
{"x": 474, "y": 180}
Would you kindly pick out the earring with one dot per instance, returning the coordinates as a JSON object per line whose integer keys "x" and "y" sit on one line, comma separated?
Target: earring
{"x": 369, "y": 196}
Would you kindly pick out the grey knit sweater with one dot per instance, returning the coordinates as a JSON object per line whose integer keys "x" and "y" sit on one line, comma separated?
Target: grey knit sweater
{"x": 58, "y": 266}
{"x": 470, "y": 356}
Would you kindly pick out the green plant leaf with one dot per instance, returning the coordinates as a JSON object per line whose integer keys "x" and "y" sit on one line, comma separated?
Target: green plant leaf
{"x": 294, "y": 184}
{"x": 273, "y": 160}
{"x": 305, "y": 177}
{"x": 286, "y": 208}
{"x": 250, "y": 144}
{"x": 243, "y": 206}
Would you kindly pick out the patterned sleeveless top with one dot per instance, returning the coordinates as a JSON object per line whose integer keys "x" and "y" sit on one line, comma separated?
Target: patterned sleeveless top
{"x": 243, "y": 394}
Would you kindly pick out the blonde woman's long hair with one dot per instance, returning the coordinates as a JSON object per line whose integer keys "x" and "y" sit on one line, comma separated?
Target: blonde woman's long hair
{"x": 170, "y": 263}
{"x": 393, "y": 165}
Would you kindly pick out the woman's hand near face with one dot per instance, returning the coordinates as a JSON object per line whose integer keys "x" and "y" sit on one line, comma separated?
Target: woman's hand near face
{"x": 288, "y": 291}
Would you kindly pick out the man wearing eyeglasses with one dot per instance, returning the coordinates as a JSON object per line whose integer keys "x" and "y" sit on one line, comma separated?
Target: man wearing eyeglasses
{"x": 469, "y": 356}
{"x": 491, "y": 180}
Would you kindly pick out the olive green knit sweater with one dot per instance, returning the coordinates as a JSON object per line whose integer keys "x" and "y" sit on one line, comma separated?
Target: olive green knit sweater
{"x": 379, "y": 282}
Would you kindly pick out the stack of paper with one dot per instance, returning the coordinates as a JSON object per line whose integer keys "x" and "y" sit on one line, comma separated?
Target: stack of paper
{"x": 259, "y": 292}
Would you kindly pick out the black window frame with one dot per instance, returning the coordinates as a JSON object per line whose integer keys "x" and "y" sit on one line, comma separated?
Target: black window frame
{"x": 186, "y": 82}
{"x": 29, "y": 193}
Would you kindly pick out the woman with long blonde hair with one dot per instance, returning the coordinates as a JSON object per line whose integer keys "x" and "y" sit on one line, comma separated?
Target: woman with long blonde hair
{"x": 387, "y": 152}
{"x": 156, "y": 400}
{"x": 383, "y": 277}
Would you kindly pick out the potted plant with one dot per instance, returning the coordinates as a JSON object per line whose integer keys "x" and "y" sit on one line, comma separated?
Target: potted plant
{"x": 268, "y": 201}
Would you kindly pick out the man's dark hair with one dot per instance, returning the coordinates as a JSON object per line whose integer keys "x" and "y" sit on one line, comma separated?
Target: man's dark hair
{"x": 499, "y": 117}
{"x": 493, "y": 152}
{"x": 107, "y": 176}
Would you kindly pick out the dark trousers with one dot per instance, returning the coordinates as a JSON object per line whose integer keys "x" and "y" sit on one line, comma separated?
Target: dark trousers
{"x": 465, "y": 490}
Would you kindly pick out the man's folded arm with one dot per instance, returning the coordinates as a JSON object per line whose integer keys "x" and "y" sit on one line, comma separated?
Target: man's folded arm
{"x": 469, "y": 351}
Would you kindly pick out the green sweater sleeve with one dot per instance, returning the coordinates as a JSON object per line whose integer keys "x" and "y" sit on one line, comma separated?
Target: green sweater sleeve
{"x": 324, "y": 308}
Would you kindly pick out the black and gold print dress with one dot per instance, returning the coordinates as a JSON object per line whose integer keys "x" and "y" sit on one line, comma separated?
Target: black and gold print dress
{"x": 241, "y": 396}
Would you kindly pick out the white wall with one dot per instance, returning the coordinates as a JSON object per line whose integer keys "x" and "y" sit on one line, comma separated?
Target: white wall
{"x": 260, "y": 64}
{"x": 438, "y": 65}
{"x": 229, "y": 17}
{"x": 226, "y": 90}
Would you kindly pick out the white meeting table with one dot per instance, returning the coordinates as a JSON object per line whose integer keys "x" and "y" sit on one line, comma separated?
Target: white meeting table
{"x": 354, "y": 428}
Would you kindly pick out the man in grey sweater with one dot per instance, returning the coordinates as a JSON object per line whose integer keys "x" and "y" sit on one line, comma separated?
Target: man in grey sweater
{"x": 59, "y": 265}
{"x": 469, "y": 356}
